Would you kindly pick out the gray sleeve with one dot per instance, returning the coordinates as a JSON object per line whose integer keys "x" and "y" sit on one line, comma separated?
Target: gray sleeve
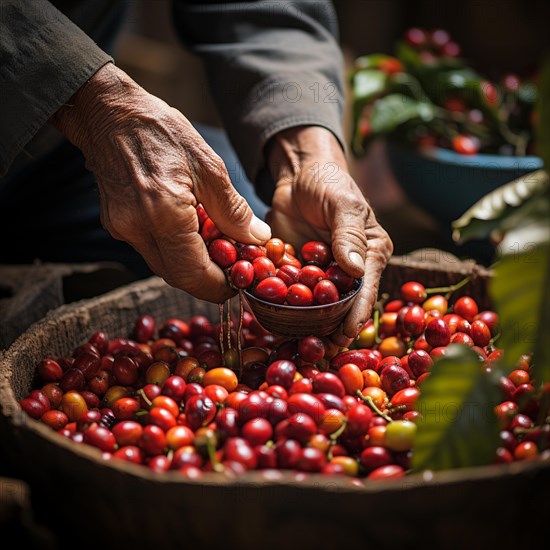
{"x": 271, "y": 65}
{"x": 44, "y": 59}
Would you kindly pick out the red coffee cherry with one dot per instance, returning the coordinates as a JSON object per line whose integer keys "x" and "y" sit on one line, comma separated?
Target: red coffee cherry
{"x": 299, "y": 295}
{"x": 271, "y": 290}
{"x": 222, "y": 252}
{"x": 325, "y": 292}
{"x": 242, "y": 274}
{"x": 317, "y": 253}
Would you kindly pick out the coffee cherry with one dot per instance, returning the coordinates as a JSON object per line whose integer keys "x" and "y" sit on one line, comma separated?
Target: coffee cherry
{"x": 289, "y": 274}
{"x": 414, "y": 320}
{"x": 527, "y": 450}
{"x": 310, "y": 275}
{"x": 100, "y": 437}
{"x": 311, "y": 349}
{"x": 466, "y": 307}
{"x": 451, "y": 49}
{"x": 33, "y": 408}
{"x": 152, "y": 440}
{"x": 480, "y": 333}
{"x": 299, "y": 295}
{"x": 300, "y": 427}
{"x": 406, "y": 397}
{"x": 389, "y": 471}
{"x": 257, "y": 431}
{"x": 413, "y": 292}
{"x": 271, "y": 289}
{"x": 342, "y": 281}
{"x": 375, "y": 457}
{"x": 415, "y": 37}
{"x": 275, "y": 250}
{"x": 317, "y": 253}
{"x": 209, "y": 231}
{"x": 250, "y": 252}
{"x": 325, "y": 292}
{"x": 288, "y": 454}
{"x": 419, "y": 362}
{"x": 242, "y": 274}
{"x": 199, "y": 411}
{"x": 437, "y": 333}
{"x": 359, "y": 419}
{"x": 281, "y": 373}
{"x": 263, "y": 268}
{"x": 327, "y": 382}
{"x": 56, "y": 420}
{"x": 438, "y": 38}
{"x": 73, "y": 405}
{"x": 125, "y": 370}
{"x": 306, "y": 403}
{"x": 49, "y": 370}
{"x": 465, "y": 145}
{"x": 393, "y": 379}
{"x": 312, "y": 460}
{"x": 144, "y": 329}
{"x": 399, "y": 435}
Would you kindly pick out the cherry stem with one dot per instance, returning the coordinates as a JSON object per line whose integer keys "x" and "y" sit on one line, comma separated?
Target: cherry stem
{"x": 334, "y": 437}
{"x": 240, "y": 333}
{"x": 211, "y": 448}
{"x": 228, "y": 324}
{"x": 448, "y": 289}
{"x": 144, "y": 397}
{"x": 376, "y": 323}
{"x": 220, "y": 311}
{"x": 367, "y": 399}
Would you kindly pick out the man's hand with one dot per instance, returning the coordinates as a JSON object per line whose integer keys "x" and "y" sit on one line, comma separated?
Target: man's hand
{"x": 316, "y": 199}
{"x": 153, "y": 168}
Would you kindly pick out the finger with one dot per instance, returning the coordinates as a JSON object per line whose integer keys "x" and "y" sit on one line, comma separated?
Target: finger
{"x": 183, "y": 262}
{"x": 227, "y": 208}
{"x": 171, "y": 247}
{"x": 349, "y": 241}
{"x": 361, "y": 310}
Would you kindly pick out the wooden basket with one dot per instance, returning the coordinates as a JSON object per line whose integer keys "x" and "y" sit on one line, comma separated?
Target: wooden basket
{"x": 93, "y": 503}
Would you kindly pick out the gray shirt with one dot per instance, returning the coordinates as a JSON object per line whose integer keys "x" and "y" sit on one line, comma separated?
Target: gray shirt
{"x": 271, "y": 65}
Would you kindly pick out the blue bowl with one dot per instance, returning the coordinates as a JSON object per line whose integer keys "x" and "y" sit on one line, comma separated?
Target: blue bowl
{"x": 445, "y": 183}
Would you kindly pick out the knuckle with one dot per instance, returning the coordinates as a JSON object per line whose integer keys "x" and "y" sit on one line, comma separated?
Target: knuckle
{"x": 238, "y": 210}
{"x": 350, "y": 236}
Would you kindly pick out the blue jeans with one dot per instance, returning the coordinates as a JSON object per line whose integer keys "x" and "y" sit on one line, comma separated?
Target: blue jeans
{"x": 49, "y": 210}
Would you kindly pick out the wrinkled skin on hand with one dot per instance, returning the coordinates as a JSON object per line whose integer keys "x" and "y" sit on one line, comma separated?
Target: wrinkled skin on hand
{"x": 153, "y": 168}
{"x": 317, "y": 199}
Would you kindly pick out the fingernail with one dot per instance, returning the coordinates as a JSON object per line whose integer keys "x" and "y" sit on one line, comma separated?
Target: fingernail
{"x": 259, "y": 229}
{"x": 356, "y": 260}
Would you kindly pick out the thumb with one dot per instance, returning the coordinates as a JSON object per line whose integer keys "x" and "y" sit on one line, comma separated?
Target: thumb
{"x": 230, "y": 211}
{"x": 349, "y": 241}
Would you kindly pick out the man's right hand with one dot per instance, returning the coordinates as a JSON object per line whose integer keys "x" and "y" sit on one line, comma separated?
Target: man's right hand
{"x": 153, "y": 168}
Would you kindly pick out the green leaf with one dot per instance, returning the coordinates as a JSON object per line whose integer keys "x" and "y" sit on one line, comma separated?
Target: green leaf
{"x": 520, "y": 292}
{"x": 368, "y": 83}
{"x": 407, "y": 55}
{"x": 445, "y": 82}
{"x": 505, "y": 208}
{"x": 395, "y": 109}
{"x": 371, "y": 61}
{"x": 458, "y": 428}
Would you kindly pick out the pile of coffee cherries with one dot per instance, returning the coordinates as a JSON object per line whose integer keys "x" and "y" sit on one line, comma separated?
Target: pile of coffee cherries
{"x": 171, "y": 398}
{"x": 274, "y": 273}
